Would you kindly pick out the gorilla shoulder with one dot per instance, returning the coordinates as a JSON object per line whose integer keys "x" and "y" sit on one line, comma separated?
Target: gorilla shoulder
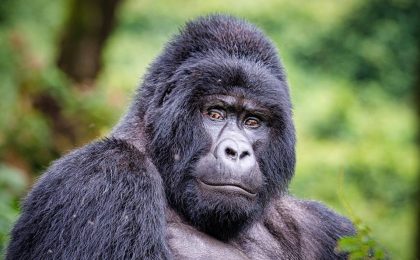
{"x": 103, "y": 162}
{"x": 93, "y": 194}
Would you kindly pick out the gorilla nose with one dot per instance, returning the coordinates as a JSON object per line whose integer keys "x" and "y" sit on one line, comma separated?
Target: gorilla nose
{"x": 236, "y": 153}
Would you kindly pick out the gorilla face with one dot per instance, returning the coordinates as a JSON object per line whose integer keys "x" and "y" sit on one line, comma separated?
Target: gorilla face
{"x": 218, "y": 141}
{"x": 230, "y": 168}
{"x": 227, "y": 181}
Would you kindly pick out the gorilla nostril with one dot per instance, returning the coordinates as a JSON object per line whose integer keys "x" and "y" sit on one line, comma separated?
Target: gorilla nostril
{"x": 231, "y": 153}
{"x": 244, "y": 154}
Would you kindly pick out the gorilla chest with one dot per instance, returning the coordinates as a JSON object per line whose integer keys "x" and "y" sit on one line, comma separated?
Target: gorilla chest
{"x": 257, "y": 242}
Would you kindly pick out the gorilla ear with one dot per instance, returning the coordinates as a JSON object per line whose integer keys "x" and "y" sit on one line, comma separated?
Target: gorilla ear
{"x": 171, "y": 85}
{"x": 167, "y": 92}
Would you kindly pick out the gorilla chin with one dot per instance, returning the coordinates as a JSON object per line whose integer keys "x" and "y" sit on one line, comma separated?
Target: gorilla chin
{"x": 220, "y": 210}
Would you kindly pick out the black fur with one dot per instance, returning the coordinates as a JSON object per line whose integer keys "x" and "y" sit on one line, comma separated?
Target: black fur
{"x": 103, "y": 201}
{"x": 107, "y": 200}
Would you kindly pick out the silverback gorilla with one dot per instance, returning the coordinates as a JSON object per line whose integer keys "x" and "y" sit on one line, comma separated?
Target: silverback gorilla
{"x": 197, "y": 169}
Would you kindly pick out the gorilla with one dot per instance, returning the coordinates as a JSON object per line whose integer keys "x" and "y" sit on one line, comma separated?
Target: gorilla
{"x": 198, "y": 168}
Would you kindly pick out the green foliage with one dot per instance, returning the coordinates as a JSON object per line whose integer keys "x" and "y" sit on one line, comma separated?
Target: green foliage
{"x": 376, "y": 44}
{"x": 351, "y": 70}
{"x": 361, "y": 246}
{"x": 12, "y": 187}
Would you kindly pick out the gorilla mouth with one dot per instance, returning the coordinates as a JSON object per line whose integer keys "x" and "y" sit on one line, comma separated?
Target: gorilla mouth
{"x": 228, "y": 188}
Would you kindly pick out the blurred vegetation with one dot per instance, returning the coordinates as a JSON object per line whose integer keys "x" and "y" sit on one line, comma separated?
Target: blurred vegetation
{"x": 352, "y": 71}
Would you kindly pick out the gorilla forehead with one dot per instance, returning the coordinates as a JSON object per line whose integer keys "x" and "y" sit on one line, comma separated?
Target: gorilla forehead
{"x": 232, "y": 76}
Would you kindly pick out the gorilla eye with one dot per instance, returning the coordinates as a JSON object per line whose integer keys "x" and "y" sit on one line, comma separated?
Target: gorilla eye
{"x": 215, "y": 114}
{"x": 252, "y": 122}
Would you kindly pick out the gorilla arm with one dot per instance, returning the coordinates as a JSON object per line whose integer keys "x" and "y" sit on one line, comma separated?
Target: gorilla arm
{"x": 295, "y": 229}
{"x": 103, "y": 201}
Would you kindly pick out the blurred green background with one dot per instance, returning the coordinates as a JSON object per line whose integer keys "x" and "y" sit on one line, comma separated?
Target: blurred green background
{"x": 68, "y": 69}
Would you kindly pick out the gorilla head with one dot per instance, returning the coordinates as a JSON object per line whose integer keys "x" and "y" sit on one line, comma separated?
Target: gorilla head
{"x": 217, "y": 120}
